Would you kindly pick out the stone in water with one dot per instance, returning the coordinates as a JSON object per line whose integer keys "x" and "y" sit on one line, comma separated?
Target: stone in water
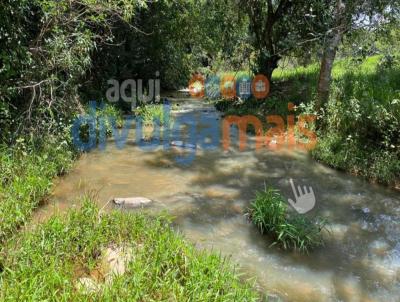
{"x": 132, "y": 202}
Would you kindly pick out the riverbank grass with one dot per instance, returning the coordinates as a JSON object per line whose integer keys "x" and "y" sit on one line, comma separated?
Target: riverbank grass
{"x": 270, "y": 214}
{"x": 27, "y": 174}
{"x": 46, "y": 263}
{"x": 358, "y": 129}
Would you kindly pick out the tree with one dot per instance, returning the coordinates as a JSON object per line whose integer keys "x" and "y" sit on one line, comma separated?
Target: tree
{"x": 46, "y": 48}
{"x": 347, "y": 16}
{"x": 334, "y": 36}
{"x": 279, "y": 27}
{"x": 176, "y": 38}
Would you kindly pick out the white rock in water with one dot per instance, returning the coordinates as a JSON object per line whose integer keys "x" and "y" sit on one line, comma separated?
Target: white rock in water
{"x": 132, "y": 202}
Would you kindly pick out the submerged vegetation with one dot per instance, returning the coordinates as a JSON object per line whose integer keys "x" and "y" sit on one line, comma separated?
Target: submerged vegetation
{"x": 46, "y": 263}
{"x": 270, "y": 214}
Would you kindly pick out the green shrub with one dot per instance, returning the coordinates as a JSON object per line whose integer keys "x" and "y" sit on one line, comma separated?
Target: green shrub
{"x": 112, "y": 118}
{"x": 360, "y": 132}
{"x": 269, "y": 213}
{"x": 388, "y": 61}
{"x": 46, "y": 53}
{"x": 45, "y": 263}
{"x": 149, "y": 113}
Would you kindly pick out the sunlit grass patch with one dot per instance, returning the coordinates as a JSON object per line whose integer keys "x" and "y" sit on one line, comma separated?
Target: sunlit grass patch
{"x": 46, "y": 263}
{"x": 307, "y": 73}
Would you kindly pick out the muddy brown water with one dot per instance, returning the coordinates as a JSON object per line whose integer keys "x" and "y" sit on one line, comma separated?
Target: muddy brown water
{"x": 208, "y": 198}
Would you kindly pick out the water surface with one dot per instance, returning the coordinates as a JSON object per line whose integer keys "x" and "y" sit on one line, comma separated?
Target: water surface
{"x": 361, "y": 261}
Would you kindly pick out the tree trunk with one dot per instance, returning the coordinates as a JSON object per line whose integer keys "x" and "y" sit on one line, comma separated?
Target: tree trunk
{"x": 267, "y": 65}
{"x": 330, "y": 48}
{"x": 271, "y": 65}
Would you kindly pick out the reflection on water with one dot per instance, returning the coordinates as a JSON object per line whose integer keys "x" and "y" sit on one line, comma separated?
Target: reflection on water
{"x": 361, "y": 261}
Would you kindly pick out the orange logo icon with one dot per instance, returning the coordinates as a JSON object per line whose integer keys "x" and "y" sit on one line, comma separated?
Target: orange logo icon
{"x": 196, "y": 86}
{"x": 260, "y": 86}
{"x": 228, "y": 87}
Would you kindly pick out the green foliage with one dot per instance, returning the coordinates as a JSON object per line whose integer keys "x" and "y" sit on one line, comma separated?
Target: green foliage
{"x": 360, "y": 131}
{"x": 359, "y": 128}
{"x": 111, "y": 115}
{"x": 42, "y": 264}
{"x": 279, "y": 28}
{"x": 150, "y": 113}
{"x": 269, "y": 213}
{"x": 49, "y": 48}
{"x": 27, "y": 172}
{"x": 388, "y": 61}
{"x": 106, "y": 116}
{"x": 174, "y": 38}
{"x": 46, "y": 50}
{"x": 268, "y": 210}
{"x": 361, "y": 43}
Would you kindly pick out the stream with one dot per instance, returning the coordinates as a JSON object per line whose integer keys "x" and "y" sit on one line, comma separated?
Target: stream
{"x": 209, "y": 197}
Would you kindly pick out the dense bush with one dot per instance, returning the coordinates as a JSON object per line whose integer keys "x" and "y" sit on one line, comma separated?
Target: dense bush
{"x": 360, "y": 129}
{"x": 49, "y": 49}
{"x": 171, "y": 40}
{"x": 46, "y": 49}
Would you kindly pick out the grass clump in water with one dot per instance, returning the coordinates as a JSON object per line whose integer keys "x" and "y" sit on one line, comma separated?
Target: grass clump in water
{"x": 151, "y": 113}
{"x": 45, "y": 264}
{"x": 269, "y": 213}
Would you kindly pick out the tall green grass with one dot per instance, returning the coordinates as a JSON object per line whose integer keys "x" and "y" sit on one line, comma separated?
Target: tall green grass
{"x": 270, "y": 214}
{"x": 26, "y": 178}
{"x": 45, "y": 264}
{"x": 29, "y": 166}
